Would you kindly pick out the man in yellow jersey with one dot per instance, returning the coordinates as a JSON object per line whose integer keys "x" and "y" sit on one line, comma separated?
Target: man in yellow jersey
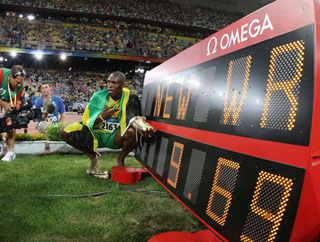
{"x": 11, "y": 89}
{"x": 108, "y": 122}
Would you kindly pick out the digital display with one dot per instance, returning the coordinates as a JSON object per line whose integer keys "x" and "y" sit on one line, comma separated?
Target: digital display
{"x": 254, "y": 92}
{"x": 243, "y": 197}
{"x": 238, "y": 120}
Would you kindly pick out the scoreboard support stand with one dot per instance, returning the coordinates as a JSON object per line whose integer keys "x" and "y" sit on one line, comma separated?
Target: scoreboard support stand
{"x": 177, "y": 236}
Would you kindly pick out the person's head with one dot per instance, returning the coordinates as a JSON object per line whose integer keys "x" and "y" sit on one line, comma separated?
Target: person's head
{"x": 45, "y": 89}
{"x": 116, "y": 81}
{"x": 16, "y": 76}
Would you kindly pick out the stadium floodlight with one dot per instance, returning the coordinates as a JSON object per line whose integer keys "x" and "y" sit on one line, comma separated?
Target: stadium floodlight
{"x": 38, "y": 55}
{"x": 13, "y": 54}
{"x": 20, "y": 16}
{"x": 1, "y": 59}
{"x": 63, "y": 56}
{"x": 31, "y": 17}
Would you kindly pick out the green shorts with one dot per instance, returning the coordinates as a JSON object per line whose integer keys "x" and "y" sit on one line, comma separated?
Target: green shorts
{"x": 82, "y": 135}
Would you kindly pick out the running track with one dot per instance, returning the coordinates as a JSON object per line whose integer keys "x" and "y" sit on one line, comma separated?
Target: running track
{"x": 70, "y": 118}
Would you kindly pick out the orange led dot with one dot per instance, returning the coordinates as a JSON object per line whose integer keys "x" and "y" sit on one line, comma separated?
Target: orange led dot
{"x": 267, "y": 215}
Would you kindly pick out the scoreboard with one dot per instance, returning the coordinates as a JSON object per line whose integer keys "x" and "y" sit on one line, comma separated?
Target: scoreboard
{"x": 238, "y": 120}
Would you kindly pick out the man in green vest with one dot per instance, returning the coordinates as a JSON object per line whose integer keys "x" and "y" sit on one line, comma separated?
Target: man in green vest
{"x": 111, "y": 119}
{"x": 11, "y": 89}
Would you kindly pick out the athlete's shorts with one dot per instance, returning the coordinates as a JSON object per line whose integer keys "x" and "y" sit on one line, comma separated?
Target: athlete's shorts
{"x": 83, "y": 137}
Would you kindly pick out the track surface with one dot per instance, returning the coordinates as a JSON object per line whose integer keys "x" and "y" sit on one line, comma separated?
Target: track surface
{"x": 70, "y": 118}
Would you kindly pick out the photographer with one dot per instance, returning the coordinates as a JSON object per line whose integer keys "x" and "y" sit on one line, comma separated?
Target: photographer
{"x": 11, "y": 89}
{"x": 58, "y": 103}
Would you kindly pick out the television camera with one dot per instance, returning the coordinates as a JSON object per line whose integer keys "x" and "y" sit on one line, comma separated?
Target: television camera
{"x": 19, "y": 118}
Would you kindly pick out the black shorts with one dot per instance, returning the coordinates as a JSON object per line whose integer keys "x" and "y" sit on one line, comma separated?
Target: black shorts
{"x": 80, "y": 134}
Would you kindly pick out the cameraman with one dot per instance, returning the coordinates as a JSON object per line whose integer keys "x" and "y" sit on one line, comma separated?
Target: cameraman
{"x": 11, "y": 89}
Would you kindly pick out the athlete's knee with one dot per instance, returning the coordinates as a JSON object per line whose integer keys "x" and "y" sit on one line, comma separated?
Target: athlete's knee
{"x": 131, "y": 135}
{"x": 64, "y": 135}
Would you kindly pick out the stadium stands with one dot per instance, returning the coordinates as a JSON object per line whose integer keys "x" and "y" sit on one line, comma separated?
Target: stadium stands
{"x": 99, "y": 35}
{"x": 46, "y": 33}
{"x": 73, "y": 87}
{"x": 167, "y": 11}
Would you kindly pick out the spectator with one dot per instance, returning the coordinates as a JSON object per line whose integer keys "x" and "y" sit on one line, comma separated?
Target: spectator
{"x": 80, "y": 108}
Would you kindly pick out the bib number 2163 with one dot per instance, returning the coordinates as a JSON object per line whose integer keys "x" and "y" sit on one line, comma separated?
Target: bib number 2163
{"x": 108, "y": 126}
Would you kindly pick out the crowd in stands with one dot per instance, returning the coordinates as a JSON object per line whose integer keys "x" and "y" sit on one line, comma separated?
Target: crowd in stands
{"x": 79, "y": 34}
{"x": 102, "y": 35}
{"x": 153, "y": 10}
{"x": 73, "y": 87}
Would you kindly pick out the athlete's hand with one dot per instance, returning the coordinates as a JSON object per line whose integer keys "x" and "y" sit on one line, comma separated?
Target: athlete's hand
{"x": 143, "y": 127}
{"x": 107, "y": 112}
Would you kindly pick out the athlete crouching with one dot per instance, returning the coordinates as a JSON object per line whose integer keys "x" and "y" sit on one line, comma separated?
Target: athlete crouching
{"x": 111, "y": 119}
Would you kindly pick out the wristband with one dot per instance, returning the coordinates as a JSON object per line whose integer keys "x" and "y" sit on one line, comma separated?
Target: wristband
{"x": 101, "y": 117}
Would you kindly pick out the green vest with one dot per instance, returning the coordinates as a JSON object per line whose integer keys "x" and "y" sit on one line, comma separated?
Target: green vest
{"x": 4, "y": 90}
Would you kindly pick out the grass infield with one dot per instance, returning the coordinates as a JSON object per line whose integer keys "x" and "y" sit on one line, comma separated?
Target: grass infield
{"x": 115, "y": 216}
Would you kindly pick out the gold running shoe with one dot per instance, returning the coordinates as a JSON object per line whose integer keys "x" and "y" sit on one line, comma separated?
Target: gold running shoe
{"x": 142, "y": 126}
{"x": 97, "y": 173}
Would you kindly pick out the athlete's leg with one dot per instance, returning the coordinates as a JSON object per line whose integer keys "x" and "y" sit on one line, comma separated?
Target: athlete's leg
{"x": 128, "y": 142}
{"x": 93, "y": 156}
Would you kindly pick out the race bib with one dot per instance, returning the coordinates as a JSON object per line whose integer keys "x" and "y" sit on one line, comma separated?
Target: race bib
{"x": 110, "y": 125}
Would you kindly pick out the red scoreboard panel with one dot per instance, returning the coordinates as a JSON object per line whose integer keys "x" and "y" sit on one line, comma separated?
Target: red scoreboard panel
{"x": 238, "y": 120}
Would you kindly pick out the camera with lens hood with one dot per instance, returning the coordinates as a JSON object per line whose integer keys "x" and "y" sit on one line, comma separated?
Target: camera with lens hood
{"x": 19, "y": 118}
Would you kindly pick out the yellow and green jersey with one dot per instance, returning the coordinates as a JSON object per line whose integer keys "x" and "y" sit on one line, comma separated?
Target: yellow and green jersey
{"x": 129, "y": 106}
{"x": 112, "y": 124}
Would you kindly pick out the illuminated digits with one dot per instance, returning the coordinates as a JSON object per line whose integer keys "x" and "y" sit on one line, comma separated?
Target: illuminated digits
{"x": 175, "y": 163}
{"x": 287, "y": 83}
{"x": 238, "y": 74}
{"x": 167, "y": 101}
{"x": 222, "y": 189}
{"x": 157, "y": 107}
{"x": 184, "y": 100}
{"x": 267, "y": 207}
